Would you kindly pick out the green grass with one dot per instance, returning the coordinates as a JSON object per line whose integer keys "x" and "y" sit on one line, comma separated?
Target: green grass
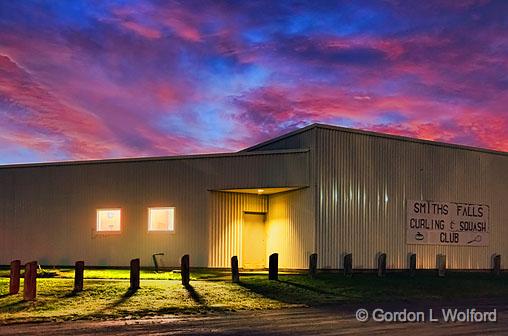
{"x": 118, "y": 274}
{"x": 64, "y": 273}
{"x": 158, "y": 295}
{"x": 109, "y": 299}
{"x": 335, "y": 288}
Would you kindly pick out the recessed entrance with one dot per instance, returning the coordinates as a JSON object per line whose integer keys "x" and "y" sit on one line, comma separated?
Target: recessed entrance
{"x": 254, "y": 241}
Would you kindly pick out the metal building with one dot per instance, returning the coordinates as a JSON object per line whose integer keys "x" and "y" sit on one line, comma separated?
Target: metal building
{"x": 321, "y": 189}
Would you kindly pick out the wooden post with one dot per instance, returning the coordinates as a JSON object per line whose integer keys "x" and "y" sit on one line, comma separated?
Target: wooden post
{"x": 381, "y": 265}
{"x": 496, "y": 269}
{"x": 412, "y": 264}
{"x": 134, "y": 274}
{"x": 348, "y": 264}
{"x": 14, "y": 277}
{"x": 235, "y": 274}
{"x": 313, "y": 265}
{"x": 185, "y": 270}
{"x": 273, "y": 267}
{"x": 30, "y": 285}
{"x": 441, "y": 265}
{"x": 79, "y": 271}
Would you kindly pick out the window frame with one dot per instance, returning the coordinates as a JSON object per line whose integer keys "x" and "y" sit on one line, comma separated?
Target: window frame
{"x": 149, "y": 230}
{"x": 105, "y": 232}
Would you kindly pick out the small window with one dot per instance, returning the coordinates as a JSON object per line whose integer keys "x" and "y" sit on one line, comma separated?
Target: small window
{"x": 108, "y": 220}
{"x": 161, "y": 219}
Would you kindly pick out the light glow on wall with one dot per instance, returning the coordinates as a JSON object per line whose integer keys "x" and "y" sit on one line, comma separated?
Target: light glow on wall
{"x": 161, "y": 219}
{"x": 109, "y": 220}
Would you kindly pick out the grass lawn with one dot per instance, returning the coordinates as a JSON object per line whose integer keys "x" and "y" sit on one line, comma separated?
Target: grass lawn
{"x": 65, "y": 273}
{"x": 158, "y": 295}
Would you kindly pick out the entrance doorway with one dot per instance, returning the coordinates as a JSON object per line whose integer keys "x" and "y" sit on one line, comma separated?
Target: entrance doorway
{"x": 254, "y": 241}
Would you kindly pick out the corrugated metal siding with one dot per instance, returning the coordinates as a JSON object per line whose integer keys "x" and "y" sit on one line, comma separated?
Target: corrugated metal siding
{"x": 290, "y": 228}
{"x": 364, "y": 182}
{"x": 226, "y": 223}
{"x": 302, "y": 208}
{"x": 358, "y": 187}
{"x": 48, "y": 213}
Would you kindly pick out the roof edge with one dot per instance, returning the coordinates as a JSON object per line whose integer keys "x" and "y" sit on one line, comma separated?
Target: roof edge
{"x": 154, "y": 158}
{"x": 280, "y": 137}
{"x": 409, "y": 139}
{"x": 375, "y": 134}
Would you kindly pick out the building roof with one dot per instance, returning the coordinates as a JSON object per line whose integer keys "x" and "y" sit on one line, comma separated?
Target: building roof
{"x": 374, "y": 134}
{"x": 253, "y": 150}
{"x": 156, "y": 158}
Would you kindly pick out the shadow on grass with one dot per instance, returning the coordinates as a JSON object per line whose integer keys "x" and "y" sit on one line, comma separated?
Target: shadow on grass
{"x": 105, "y": 311}
{"x": 194, "y": 295}
{"x": 127, "y": 295}
{"x": 22, "y": 305}
{"x": 308, "y": 288}
{"x": 15, "y": 306}
{"x": 282, "y": 291}
{"x": 74, "y": 293}
{"x": 111, "y": 312}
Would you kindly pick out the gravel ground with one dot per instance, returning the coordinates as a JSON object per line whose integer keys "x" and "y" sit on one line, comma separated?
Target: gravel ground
{"x": 324, "y": 320}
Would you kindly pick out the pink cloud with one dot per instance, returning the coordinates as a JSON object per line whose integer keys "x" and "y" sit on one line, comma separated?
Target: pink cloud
{"x": 46, "y": 124}
{"x": 178, "y": 19}
{"x": 144, "y": 31}
{"x": 149, "y": 79}
{"x": 72, "y": 130}
{"x": 181, "y": 27}
{"x": 266, "y": 109}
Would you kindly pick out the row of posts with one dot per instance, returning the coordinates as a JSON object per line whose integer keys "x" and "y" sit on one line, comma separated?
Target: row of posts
{"x": 135, "y": 271}
{"x": 30, "y": 286}
{"x": 381, "y": 264}
{"x": 30, "y": 278}
{"x": 348, "y": 265}
{"x": 273, "y": 267}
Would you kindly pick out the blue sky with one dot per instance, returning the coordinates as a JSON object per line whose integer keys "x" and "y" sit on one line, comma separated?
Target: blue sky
{"x": 93, "y": 80}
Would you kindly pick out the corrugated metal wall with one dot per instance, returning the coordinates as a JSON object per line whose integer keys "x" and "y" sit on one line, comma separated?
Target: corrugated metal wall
{"x": 364, "y": 182}
{"x": 355, "y": 202}
{"x": 226, "y": 223}
{"x": 48, "y": 213}
{"x": 297, "y": 210}
{"x": 290, "y": 228}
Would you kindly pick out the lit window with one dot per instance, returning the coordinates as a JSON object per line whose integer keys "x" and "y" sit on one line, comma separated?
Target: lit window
{"x": 108, "y": 220}
{"x": 161, "y": 219}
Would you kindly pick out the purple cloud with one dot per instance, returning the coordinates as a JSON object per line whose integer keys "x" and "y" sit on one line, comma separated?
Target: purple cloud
{"x": 157, "y": 78}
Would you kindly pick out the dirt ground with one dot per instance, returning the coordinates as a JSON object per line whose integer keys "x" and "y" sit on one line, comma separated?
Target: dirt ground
{"x": 324, "y": 320}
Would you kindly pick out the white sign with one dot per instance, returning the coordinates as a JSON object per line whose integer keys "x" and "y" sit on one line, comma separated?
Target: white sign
{"x": 447, "y": 223}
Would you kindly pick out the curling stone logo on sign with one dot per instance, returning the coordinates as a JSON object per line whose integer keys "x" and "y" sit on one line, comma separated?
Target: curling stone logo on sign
{"x": 447, "y": 223}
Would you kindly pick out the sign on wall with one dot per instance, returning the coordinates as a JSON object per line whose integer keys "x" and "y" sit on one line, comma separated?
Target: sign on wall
{"x": 447, "y": 223}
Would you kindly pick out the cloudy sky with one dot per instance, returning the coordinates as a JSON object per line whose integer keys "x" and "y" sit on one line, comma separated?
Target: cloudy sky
{"x": 92, "y": 80}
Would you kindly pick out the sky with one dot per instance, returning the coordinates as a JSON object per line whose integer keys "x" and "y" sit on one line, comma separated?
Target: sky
{"x": 111, "y": 79}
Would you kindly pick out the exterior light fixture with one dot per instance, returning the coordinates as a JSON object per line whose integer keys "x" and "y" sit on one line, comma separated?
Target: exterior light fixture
{"x": 260, "y": 191}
